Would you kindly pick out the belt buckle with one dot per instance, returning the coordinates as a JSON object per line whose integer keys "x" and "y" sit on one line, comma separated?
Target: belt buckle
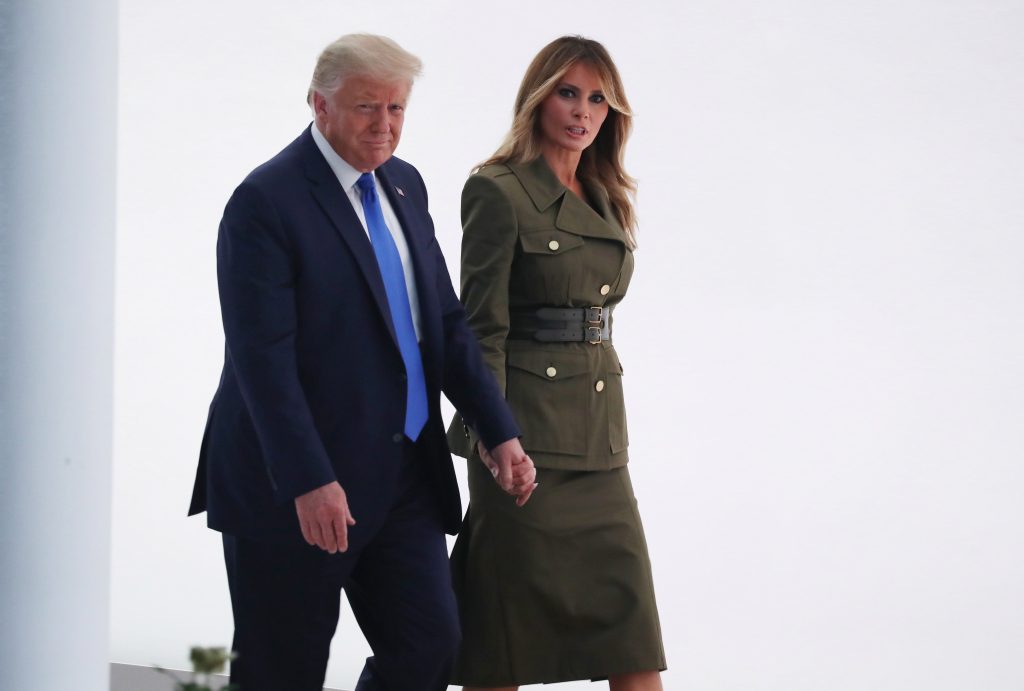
{"x": 595, "y": 316}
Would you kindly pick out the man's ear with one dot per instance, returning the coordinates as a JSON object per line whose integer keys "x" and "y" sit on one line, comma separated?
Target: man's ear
{"x": 319, "y": 105}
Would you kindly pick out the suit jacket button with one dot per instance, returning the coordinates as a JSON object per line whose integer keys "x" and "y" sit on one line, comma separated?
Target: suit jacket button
{"x": 551, "y": 372}
{"x": 397, "y": 437}
{"x": 605, "y": 289}
{"x": 599, "y": 386}
{"x": 553, "y": 245}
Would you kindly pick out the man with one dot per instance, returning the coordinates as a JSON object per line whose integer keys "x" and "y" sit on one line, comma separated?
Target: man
{"x": 324, "y": 462}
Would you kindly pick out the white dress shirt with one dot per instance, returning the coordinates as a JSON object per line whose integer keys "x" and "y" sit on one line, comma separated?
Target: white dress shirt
{"x": 347, "y": 177}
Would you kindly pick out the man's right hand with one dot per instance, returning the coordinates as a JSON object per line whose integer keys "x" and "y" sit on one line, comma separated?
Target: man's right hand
{"x": 324, "y": 517}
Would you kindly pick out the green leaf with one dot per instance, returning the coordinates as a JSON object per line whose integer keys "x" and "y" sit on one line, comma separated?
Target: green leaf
{"x": 209, "y": 660}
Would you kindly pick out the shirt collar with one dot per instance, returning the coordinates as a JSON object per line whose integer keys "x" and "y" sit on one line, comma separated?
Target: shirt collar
{"x": 346, "y": 174}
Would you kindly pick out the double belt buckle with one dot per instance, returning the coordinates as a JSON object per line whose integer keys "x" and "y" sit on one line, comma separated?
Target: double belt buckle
{"x": 594, "y": 317}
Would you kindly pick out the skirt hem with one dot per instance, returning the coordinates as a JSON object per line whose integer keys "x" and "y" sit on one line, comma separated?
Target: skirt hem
{"x": 558, "y": 678}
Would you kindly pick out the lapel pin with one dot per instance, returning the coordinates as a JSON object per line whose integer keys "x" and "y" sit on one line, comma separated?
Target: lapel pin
{"x": 400, "y": 192}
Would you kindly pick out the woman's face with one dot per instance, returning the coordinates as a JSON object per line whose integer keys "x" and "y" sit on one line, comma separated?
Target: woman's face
{"x": 571, "y": 116}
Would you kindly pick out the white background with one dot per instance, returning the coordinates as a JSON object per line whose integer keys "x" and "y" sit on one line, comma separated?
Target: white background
{"x": 823, "y": 341}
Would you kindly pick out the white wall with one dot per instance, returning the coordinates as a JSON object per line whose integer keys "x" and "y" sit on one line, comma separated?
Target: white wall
{"x": 58, "y": 130}
{"x": 822, "y": 344}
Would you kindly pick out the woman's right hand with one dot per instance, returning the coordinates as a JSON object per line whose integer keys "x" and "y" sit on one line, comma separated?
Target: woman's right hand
{"x": 520, "y": 479}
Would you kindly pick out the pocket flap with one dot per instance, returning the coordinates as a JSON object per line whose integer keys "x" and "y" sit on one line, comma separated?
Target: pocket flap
{"x": 549, "y": 365}
{"x": 615, "y": 365}
{"x": 551, "y": 241}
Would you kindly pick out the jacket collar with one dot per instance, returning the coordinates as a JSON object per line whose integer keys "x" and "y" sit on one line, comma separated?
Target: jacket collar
{"x": 342, "y": 169}
{"x": 574, "y": 214}
{"x": 539, "y": 181}
{"x": 327, "y": 190}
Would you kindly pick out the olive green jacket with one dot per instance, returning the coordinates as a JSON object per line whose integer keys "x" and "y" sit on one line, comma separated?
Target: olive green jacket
{"x": 529, "y": 242}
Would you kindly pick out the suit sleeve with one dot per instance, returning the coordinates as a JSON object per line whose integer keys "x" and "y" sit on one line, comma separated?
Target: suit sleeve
{"x": 489, "y": 232}
{"x": 469, "y": 382}
{"x": 256, "y": 279}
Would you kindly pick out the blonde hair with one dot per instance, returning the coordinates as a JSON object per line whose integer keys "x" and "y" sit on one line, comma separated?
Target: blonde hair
{"x": 365, "y": 55}
{"x": 602, "y": 161}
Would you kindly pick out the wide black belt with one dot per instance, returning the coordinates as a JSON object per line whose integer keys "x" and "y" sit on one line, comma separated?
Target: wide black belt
{"x": 561, "y": 324}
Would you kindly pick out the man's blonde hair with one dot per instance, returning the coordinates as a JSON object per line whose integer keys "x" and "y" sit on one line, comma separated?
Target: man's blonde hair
{"x": 364, "y": 55}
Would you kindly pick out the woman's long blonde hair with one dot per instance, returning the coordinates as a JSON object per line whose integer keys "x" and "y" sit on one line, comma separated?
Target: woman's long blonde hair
{"x": 602, "y": 161}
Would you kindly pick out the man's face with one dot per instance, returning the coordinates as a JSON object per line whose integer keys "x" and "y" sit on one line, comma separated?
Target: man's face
{"x": 363, "y": 120}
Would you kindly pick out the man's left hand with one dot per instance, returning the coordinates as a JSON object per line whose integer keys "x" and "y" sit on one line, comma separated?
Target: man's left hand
{"x": 513, "y": 470}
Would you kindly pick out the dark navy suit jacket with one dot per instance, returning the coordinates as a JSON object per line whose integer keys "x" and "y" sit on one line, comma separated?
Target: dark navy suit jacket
{"x": 313, "y": 386}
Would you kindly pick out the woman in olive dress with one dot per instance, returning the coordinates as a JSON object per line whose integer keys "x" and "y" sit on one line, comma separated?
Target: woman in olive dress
{"x": 560, "y": 588}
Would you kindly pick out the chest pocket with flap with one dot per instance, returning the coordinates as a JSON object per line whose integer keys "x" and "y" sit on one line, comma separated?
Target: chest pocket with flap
{"x": 547, "y": 266}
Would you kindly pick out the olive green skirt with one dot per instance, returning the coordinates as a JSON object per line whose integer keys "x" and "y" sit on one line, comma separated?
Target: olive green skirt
{"x": 557, "y": 590}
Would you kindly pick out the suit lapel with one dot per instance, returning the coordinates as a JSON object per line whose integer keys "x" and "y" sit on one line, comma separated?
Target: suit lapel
{"x": 409, "y": 218}
{"x": 417, "y": 238}
{"x": 599, "y": 196}
{"x": 576, "y": 216}
{"x": 334, "y": 201}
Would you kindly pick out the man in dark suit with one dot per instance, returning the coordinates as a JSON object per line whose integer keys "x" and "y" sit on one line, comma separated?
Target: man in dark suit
{"x": 324, "y": 462}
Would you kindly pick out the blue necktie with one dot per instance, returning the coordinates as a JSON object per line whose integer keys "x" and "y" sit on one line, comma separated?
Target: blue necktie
{"x": 398, "y": 301}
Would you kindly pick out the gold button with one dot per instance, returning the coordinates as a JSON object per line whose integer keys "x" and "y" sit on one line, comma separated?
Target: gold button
{"x": 605, "y": 289}
{"x": 551, "y": 371}
{"x": 553, "y": 245}
{"x": 599, "y": 386}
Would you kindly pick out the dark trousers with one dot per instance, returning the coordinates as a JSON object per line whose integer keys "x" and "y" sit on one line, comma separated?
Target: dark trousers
{"x": 285, "y": 596}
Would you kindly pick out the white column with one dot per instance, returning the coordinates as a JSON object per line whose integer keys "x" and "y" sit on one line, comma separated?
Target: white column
{"x": 58, "y": 108}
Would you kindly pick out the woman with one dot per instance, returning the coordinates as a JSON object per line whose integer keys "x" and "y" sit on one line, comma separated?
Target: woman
{"x": 560, "y": 588}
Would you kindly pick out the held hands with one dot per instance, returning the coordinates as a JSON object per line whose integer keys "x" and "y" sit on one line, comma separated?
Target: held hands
{"x": 512, "y": 469}
{"x": 324, "y": 517}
